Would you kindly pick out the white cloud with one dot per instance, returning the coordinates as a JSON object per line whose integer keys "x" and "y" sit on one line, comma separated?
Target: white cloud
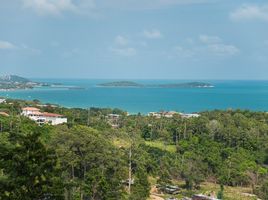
{"x": 121, "y": 47}
{"x": 250, "y": 12}
{"x": 121, "y": 41}
{"x": 184, "y": 52}
{"x": 208, "y": 46}
{"x": 223, "y": 49}
{"x": 210, "y": 39}
{"x": 93, "y": 7}
{"x": 56, "y": 7}
{"x": 152, "y": 34}
{"x": 151, "y": 4}
{"x": 6, "y": 45}
{"x": 128, "y": 51}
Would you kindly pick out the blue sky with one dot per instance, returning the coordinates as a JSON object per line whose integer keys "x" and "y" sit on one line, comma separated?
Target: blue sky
{"x": 134, "y": 39}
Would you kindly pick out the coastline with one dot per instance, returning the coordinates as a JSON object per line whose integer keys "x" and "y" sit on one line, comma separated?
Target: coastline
{"x": 246, "y": 95}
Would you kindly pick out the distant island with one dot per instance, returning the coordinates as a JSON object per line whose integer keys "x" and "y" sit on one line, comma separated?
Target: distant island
{"x": 172, "y": 85}
{"x": 13, "y": 82}
{"x": 121, "y": 84}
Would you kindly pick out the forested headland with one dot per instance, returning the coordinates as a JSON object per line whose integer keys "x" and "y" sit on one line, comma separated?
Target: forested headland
{"x": 90, "y": 159}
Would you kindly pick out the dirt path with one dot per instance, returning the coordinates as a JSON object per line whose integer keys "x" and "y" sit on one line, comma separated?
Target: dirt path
{"x": 154, "y": 197}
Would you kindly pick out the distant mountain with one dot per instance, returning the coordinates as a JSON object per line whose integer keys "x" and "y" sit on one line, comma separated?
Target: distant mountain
{"x": 12, "y": 82}
{"x": 172, "y": 85}
{"x": 13, "y": 79}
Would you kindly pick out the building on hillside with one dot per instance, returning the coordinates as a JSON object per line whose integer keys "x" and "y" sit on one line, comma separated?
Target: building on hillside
{"x": 54, "y": 119}
{"x": 2, "y": 101}
{"x": 113, "y": 120}
{"x": 43, "y": 117}
{"x": 167, "y": 114}
{"x": 170, "y": 114}
{"x": 154, "y": 114}
{"x": 184, "y": 115}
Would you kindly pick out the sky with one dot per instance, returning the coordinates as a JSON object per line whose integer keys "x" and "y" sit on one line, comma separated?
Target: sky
{"x": 134, "y": 39}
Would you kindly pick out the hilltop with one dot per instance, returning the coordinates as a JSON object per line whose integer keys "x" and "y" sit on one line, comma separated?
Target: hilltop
{"x": 13, "y": 79}
{"x": 12, "y": 82}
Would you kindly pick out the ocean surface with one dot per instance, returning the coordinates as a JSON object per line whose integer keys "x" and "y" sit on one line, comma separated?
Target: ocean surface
{"x": 251, "y": 95}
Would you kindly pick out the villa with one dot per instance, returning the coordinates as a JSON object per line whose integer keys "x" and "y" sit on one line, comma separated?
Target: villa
{"x": 43, "y": 117}
{"x": 113, "y": 120}
{"x": 2, "y": 101}
{"x": 170, "y": 114}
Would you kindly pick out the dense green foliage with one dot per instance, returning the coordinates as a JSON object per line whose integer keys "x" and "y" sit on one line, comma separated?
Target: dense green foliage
{"x": 88, "y": 159}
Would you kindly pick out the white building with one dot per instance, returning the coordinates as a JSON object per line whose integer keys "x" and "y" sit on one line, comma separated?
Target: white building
{"x": 54, "y": 119}
{"x": 170, "y": 114}
{"x": 113, "y": 120}
{"x": 184, "y": 115}
{"x": 43, "y": 117}
{"x": 2, "y": 101}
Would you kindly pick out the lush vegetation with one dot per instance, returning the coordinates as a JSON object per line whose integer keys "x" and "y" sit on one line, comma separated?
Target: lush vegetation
{"x": 88, "y": 159}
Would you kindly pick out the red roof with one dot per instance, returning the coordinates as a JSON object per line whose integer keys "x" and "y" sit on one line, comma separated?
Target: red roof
{"x": 46, "y": 114}
{"x": 30, "y": 109}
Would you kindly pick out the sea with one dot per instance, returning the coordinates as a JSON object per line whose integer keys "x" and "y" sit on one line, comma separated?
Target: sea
{"x": 226, "y": 94}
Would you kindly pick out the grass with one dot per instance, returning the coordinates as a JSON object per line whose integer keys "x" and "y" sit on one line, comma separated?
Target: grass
{"x": 162, "y": 146}
{"x": 230, "y": 193}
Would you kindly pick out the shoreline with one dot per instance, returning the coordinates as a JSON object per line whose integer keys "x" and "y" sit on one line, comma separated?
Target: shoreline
{"x": 144, "y": 113}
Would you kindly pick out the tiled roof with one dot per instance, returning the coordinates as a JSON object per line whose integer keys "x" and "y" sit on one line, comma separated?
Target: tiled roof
{"x": 46, "y": 114}
{"x": 30, "y": 109}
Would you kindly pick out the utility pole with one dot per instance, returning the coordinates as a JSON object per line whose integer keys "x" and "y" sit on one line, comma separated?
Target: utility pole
{"x": 88, "y": 115}
{"x": 130, "y": 169}
{"x": 185, "y": 128}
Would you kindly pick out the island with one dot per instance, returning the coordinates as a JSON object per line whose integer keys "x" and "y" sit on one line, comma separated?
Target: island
{"x": 121, "y": 84}
{"x": 13, "y": 82}
{"x": 170, "y": 85}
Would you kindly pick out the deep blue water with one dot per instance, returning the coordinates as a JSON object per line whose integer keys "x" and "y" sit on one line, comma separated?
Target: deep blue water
{"x": 251, "y": 95}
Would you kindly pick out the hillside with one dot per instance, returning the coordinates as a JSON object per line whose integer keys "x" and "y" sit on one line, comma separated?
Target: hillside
{"x": 14, "y": 82}
{"x": 224, "y": 153}
{"x": 13, "y": 79}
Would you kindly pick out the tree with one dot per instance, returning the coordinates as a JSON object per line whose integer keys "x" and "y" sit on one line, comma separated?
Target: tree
{"x": 263, "y": 190}
{"x": 92, "y": 166}
{"x": 141, "y": 188}
{"x": 29, "y": 169}
{"x": 220, "y": 193}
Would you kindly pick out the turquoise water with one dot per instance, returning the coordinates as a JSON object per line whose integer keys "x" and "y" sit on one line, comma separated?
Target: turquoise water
{"x": 251, "y": 95}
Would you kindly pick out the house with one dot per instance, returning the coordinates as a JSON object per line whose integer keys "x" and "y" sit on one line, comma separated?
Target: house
{"x": 113, "y": 120}
{"x": 2, "y": 101}
{"x": 171, "y": 114}
{"x": 154, "y": 114}
{"x": 167, "y": 114}
{"x": 43, "y": 117}
{"x": 54, "y": 119}
{"x": 184, "y": 115}
{"x": 30, "y": 111}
